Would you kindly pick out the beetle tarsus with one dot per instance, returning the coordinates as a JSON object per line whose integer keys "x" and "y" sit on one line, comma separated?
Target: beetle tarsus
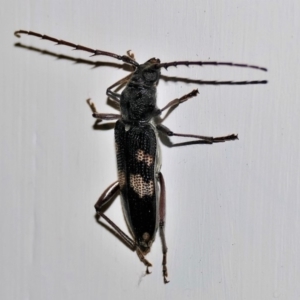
{"x": 143, "y": 259}
{"x": 165, "y": 270}
{"x": 230, "y": 137}
{"x": 166, "y": 280}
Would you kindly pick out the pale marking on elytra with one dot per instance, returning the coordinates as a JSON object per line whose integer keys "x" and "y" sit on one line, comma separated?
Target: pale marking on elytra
{"x": 122, "y": 178}
{"x": 146, "y": 236}
{"x": 141, "y": 187}
{"x": 146, "y": 158}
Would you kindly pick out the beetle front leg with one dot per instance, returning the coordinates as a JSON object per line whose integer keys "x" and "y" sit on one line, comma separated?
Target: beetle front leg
{"x": 208, "y": 139}
{"x": 101, "y": 116}
{"x": 178, "y": 101}
{"x": 113, "y": 95}
{"x": 162, "y": 217}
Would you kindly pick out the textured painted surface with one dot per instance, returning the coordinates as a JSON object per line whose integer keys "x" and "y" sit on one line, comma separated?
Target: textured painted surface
{"x": 232, "y": 209}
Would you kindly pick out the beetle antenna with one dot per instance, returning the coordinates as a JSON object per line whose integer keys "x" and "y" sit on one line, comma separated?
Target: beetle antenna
{"x": 94, "y": 52}
{"x": 203, "y": 63}
{"x": 213, "y": 82}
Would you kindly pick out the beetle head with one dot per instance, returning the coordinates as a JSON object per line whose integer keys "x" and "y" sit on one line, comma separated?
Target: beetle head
{"x": 148, "y": 73}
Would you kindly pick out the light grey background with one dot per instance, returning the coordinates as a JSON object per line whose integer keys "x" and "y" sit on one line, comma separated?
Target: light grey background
{"x": 232, "y": 209}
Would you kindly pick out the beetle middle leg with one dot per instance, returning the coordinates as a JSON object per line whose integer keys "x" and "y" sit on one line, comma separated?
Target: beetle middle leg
{"x": 102, "y": 116}
{"x": 107, "y": 196}
{"x": 208, "y": 139}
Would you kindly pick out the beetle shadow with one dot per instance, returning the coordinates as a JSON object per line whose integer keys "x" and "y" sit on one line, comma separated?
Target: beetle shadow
{"x": 75, "y": 60}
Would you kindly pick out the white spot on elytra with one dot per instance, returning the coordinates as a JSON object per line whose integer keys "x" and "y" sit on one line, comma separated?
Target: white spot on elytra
{"x": 146, "y": 158}
{"x": 122, "y": 178}
{"x": 146, "y": 236}
{"x": 141, "y": 187}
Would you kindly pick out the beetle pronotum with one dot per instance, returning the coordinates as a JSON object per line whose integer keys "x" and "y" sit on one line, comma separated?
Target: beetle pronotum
{"x": 140, "y": 182}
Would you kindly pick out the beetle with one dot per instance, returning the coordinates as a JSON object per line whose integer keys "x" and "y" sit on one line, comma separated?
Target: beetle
{"x": 140, "y": 181}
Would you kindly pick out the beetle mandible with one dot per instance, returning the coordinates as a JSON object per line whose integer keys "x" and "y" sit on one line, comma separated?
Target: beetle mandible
{"x": 140, "y": 182}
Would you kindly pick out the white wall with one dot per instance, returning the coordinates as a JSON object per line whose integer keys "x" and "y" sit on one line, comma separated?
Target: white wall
{"x": 232, "y": 209}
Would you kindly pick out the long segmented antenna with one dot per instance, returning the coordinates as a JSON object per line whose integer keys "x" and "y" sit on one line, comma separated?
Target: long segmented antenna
{"x": 95, "y": 52}
{"x": 213, "y": 82}
{"x": 129, "y": 60}
{"x": 211, "y": 63}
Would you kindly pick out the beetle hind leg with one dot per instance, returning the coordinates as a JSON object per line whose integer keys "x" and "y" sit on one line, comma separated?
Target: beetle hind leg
{"x": 202, "y": 139}
{"x": 143, "y": 260}
{"x": 162, "y": 216}
{"x": 107, "y": 196}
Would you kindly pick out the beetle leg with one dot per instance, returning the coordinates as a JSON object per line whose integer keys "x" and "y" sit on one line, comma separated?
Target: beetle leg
{"x": 162, "y": 217}
{"x": 108, "y": 195}
{"x": 131, "y": 55}
{"x": 113, "y": 95}
{"x": 106, "y": 117}
{"x": 207, "y": 139}
{"x": 100, "y": 116}
{"x": 177, "y": 101}
{"x": 143, "y": 260}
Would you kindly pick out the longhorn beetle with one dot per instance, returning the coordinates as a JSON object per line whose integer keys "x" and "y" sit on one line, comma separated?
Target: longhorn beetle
{"x": 140, "y": 182}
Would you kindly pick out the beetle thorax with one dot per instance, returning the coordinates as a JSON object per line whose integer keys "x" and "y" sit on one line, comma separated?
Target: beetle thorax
{"x": 138, "y": 99}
